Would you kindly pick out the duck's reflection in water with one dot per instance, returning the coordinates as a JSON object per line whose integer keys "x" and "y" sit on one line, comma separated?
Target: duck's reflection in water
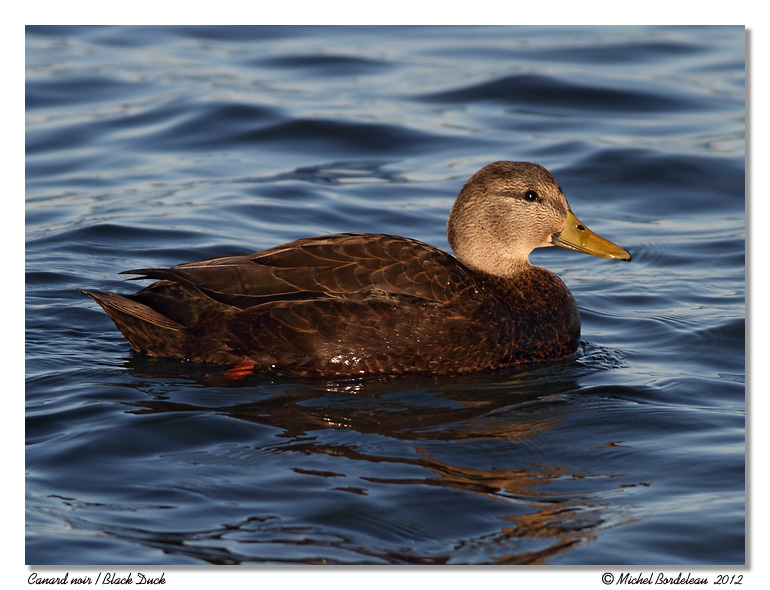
{"x": 472, "y": 437}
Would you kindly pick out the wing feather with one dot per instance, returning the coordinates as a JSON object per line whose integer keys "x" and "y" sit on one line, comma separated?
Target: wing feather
{"x": 347, "y": 266}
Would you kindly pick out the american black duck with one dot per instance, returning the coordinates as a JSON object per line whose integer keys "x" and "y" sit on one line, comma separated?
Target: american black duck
{"x": 360, "y": 304}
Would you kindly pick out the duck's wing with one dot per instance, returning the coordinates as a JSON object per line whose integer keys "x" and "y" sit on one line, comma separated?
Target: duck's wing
{"x": 344, "y": 266}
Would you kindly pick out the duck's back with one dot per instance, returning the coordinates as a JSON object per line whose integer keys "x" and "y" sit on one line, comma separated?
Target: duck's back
{"x": 347, "y": 304}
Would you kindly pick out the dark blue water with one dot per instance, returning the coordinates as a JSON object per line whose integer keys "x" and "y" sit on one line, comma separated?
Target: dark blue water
{"x": 156, "y": 146}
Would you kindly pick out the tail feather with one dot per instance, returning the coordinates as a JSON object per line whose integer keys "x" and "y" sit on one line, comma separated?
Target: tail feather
{"x": 145, "y": 329}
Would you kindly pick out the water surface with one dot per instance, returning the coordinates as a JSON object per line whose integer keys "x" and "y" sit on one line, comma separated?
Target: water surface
{"x": 153, "y": 146}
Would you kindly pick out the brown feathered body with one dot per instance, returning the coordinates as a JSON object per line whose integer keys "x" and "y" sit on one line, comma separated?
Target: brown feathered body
{"x": 347, "y": 305}
{"x": 353, "y": 304}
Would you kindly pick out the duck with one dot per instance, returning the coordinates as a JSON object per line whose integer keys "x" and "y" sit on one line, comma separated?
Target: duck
{"x": 361, "y": 304}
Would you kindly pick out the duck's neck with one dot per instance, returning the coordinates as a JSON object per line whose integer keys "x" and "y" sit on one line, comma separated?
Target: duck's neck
{"x": 495, "y": 266}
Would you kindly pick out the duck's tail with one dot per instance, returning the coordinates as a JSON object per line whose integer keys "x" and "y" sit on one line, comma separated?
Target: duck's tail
{"x": 146, "y": 330}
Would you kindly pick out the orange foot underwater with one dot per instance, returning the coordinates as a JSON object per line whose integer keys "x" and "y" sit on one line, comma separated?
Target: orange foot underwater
{"x": 241, "y": 370}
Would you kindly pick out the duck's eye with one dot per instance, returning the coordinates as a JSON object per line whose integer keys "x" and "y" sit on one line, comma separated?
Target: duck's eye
{"x": 531, "y": 196}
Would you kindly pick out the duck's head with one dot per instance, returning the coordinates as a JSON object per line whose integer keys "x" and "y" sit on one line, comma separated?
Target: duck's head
{"x": 507, "y": 209}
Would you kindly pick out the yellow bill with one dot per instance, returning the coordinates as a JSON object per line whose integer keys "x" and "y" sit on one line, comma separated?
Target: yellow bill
{"x": 576, "y": 236}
